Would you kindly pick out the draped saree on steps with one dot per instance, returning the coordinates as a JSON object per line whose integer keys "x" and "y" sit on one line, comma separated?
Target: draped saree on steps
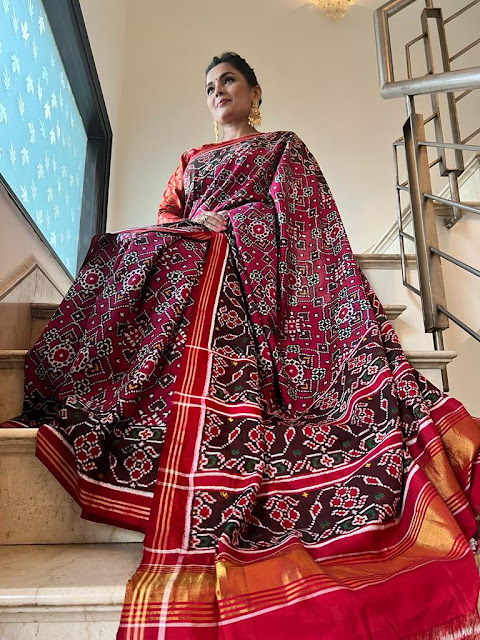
{"x": 243, "y": 399}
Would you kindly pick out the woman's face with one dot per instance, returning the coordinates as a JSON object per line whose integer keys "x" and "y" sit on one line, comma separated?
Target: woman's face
{"x": 229, "y": 97}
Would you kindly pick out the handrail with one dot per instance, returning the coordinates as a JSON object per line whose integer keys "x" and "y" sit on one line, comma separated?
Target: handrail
{"x": 460, "y": 80}
{"x": 452, "y": 203}
{"x": 463, "y": 95}
{"x": 459, "y": 322}
{"x": 450, "y": 145}
{"x": 460, "y": 11}
{"x": 423, "y": 203}
{"x": 456, "y": 261}
{"x": 464, "y": 50}
{"x": 472, "y": 135}
{"x": 434, "y": 83}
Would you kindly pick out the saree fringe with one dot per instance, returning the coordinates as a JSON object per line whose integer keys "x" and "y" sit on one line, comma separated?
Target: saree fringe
{"x": 462, "y": 628}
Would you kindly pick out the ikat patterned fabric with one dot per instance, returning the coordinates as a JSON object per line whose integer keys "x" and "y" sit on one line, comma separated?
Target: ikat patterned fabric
{"x": 243, "y": 399}
{"x": 42, "y": 138}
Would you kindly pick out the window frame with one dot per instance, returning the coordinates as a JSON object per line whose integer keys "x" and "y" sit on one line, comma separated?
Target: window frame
{"x": 70, "y": 33}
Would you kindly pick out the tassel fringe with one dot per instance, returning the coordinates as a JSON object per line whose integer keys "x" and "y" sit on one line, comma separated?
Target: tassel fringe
{"x": 466, "y": 627}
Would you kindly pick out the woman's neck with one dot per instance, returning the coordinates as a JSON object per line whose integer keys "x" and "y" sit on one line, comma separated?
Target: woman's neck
{"x": 232, "y": 132}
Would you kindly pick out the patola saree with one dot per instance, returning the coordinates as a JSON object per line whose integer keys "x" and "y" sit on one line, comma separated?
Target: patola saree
{"x": 243, "y": 399}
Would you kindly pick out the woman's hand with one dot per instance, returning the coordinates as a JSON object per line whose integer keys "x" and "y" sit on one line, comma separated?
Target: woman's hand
{"x": 213, "y": 220}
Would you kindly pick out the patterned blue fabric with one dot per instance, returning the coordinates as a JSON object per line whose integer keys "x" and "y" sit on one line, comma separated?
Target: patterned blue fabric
{"x": 42, "y": 137}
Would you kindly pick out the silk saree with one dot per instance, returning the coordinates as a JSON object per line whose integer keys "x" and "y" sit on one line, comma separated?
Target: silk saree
{"x": 242, "y": 398}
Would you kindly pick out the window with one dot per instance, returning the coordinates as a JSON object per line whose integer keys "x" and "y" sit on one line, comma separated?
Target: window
{"x": 55, "y": 138}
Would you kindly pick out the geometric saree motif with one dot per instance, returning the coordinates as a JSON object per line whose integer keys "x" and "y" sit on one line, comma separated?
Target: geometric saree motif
{"x": 243, "y": 399}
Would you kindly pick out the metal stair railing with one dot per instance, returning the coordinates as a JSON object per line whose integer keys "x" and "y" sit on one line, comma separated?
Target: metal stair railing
{"x": 423, "y": 202}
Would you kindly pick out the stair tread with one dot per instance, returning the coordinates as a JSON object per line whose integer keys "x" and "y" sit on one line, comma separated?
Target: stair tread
{"x": 22, "y": 437}
{"x": 44, "y": 305}
{"x": 426, "y": 359}
{"x": 431, "y": 354}
{"x": 43, "y": 309}
{"x": 384, "y": 260}
{"x": 5, "y": 353}
{"x": 11, "y": 353}
{"x": 12, "y": 358}
{"x": 20, "y": 353}
{"x": 67, "y": 574}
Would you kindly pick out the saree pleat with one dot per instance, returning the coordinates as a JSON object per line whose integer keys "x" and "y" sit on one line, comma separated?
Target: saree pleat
{"x": 244, "y": 400}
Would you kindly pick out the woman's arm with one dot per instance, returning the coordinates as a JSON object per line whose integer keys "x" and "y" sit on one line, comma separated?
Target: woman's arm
{"x": 172, "y": 206}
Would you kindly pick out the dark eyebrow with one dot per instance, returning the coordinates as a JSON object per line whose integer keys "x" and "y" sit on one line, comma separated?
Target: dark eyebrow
{"x": 222, "y": 76}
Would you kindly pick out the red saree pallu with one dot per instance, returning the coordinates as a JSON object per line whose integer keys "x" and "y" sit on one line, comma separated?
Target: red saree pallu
{"x": 243, "y": 399}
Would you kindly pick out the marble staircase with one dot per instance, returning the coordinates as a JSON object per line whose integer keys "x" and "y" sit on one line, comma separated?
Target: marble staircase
{"x": 62, "y": 577}
{"x": 64, "y": 592}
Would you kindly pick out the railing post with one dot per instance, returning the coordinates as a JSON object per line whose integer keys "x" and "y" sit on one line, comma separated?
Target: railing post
{"x": 428, "y": 15}
{"x": 423, "y": 215}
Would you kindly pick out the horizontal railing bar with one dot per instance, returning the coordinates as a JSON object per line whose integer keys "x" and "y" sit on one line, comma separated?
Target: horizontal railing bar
{"x": 406, "y": 235}
{"x": 459, "y": 13}
{"x": 454, "y": 205}
{"x": 456, "y": 261}
{"x": 472, "y": 135}
{"x": 450, "y": 145}
{"x": 458, "y": 80}
{"x": 464, "y": 50}
{"x": 412, "y": 288}
{"x": 463, "y": 95}
{"x": 417, "y": 39}
{"x": 402, "y": 187}
{"x": 459, "y": 322}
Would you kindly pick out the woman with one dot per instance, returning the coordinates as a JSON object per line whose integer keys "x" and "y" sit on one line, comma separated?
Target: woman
{"x": 228, "y": 382}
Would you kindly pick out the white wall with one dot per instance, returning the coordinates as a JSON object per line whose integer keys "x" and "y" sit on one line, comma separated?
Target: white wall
{"x": 463, "y": 297}
{"x": 18, "y": 240}
{"x": 106, "y": 23}
{"x": 319, "y": 79}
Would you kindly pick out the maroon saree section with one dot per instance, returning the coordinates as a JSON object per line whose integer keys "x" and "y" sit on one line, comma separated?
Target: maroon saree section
{"x": 244, "y": 400}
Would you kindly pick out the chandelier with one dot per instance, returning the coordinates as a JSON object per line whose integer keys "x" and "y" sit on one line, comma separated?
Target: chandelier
{"x": 333, "y": 9}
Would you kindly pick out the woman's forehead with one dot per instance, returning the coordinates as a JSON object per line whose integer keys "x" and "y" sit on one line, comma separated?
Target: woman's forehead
{"x": 219, "y": 70}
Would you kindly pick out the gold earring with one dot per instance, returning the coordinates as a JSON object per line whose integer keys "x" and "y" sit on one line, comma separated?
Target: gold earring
{"x": 215, "y": 128}
{"x": 255, "y": 117}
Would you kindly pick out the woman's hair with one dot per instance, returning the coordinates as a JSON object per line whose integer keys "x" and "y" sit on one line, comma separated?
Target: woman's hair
{"x": 240, "y": 65}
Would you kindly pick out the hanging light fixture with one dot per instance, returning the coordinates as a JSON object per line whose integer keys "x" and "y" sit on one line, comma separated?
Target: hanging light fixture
{"x": 333, "y": 9}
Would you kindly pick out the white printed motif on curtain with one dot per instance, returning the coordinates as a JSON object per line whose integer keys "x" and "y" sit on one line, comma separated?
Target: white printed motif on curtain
{"x": 42, "y": 138}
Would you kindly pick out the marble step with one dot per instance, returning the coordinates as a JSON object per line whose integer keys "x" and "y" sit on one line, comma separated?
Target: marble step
{"x": 60, "y": 592}
{"x": 34, "y": 506}
{"x": 68, "y": 592}
{"x": 41, "y": 313}
{"x": 12, "y": 363}
{"x": 12, "y": 370}
{"x": 393, "y": 311}
{"x": 21, "y": 323}
{"x": 37, "y": 510}
{"x": 12, "y": 360}
{"x": 384, "y": 274}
